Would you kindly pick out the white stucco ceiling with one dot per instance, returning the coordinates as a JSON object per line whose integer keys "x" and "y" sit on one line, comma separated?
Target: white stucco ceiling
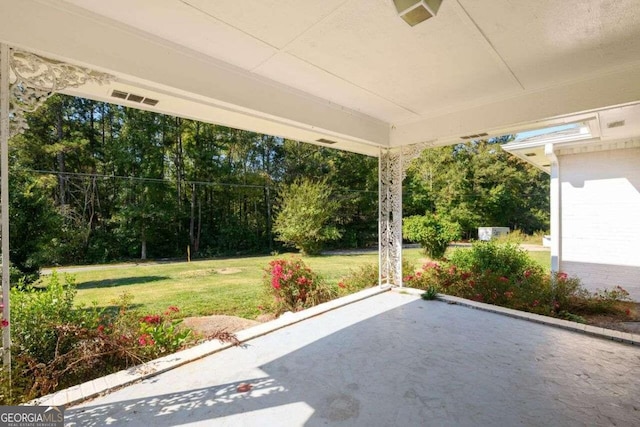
{"x": 349, "y": 70}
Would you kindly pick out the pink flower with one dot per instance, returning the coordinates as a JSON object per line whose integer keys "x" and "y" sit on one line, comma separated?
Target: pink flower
{"x": 4, "y": 323}
{"x": 562, "y": 276}
{"x": 527, "y": 273}
{"x": 508, "y": 294}
{"x": 503, "y": 279}
{"x": 145, "y": 339}
{"x": 152, "y": 319}
{"x": 535, "y": 302}
{"x": 341, "y": 285}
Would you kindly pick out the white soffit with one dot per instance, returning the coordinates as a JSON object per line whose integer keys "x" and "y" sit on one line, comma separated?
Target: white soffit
{"x": 350, "y": 68}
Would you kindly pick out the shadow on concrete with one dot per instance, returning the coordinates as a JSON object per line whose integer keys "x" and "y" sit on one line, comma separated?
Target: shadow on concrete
{"x": 420, "y": 363}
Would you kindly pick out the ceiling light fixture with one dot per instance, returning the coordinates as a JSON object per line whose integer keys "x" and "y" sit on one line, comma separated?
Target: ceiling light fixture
{"x": 415, "y": 11}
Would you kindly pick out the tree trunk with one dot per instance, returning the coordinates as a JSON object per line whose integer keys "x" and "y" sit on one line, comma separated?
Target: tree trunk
{"x": 196, "y": 245}
{"x": 192, "y": 218}
{"x": 143, "y": 251}
{"x": 60, "y": 159}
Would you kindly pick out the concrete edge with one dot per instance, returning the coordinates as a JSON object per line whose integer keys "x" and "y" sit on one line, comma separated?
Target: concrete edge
{"x": 624, "y": 337}
{"x": 104, "y": 385}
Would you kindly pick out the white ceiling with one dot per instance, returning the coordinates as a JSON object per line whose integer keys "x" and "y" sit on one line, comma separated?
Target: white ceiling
{"x": 349, "y": 70}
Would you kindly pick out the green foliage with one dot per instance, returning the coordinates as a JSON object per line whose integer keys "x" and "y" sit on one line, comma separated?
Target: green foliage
{"x": 367, "y": 276}
{"x": 502, "y": 259}
{"x": 305, "y": 215}
{"x": 57, "y": 345}
{"x": 433, "y": 232}
{"x": 294, "y": 286}
{"x": 502, "y": 274}
{"x": 34, "y": 221}
{"x": 478, "y": 184}
{"x": 37, "y": 310}
{"x": 163, "y": 333}
{"x": 363, "y": 277}
{"x": 431, "y": 293}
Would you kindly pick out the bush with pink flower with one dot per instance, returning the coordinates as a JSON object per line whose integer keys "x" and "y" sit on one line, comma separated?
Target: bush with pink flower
{"x": 503, "y": 274}
{"x": 294, "y": 286}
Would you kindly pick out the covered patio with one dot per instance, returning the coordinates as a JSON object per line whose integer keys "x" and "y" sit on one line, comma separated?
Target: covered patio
{"x": 353, "y": 75}
{"x": 391, "y": 359}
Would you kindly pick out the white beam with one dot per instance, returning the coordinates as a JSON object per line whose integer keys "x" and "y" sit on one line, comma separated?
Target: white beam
{"x": 71, "y": 34}
{"x": 595, "y": 93}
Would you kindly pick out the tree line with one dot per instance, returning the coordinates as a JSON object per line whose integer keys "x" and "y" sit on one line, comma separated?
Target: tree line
{"x": 95, "y": 182}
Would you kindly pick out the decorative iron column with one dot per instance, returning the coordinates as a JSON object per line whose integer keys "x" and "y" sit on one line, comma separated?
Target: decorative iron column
{"x": 26, "y": 82}
{"x": 392, "y": 169}
{"x": 390, "y": 217}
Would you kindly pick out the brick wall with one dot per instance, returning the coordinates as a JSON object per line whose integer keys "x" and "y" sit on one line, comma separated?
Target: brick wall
{"x": 600, "y": 195}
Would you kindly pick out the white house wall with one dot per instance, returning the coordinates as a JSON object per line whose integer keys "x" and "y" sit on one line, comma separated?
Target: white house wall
{"x": 600, "y": 194}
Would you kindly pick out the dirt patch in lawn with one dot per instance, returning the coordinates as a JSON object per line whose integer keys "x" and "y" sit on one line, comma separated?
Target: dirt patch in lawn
{"x": 208, "y": 325}
{"x": 228, "y": 270}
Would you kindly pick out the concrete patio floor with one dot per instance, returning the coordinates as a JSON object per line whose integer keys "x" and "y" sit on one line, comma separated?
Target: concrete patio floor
{"x": 391, "y": 360}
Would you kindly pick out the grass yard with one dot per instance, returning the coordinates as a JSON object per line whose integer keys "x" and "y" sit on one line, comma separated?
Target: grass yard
{"x": 231, "y": 286}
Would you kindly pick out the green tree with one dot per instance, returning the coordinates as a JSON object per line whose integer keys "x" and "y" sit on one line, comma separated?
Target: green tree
{"x": 306, "y": 212}
{"x": 433, "y": 232}
{"x": 478, "y": 184}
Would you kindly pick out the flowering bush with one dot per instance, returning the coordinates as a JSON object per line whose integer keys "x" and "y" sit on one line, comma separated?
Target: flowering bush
{"x": 57, "y": 345}
{"x": 162, "y": 333}
{"x": 504, "y": 275}
{"x": 294, "y": 286}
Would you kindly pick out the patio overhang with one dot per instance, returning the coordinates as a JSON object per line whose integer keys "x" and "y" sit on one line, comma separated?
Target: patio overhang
{"x": 349, "y": 74}
{"x": 348, "y": 71}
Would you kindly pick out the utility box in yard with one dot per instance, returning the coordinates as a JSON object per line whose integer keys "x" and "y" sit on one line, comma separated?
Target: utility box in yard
{"x": 488, "y": 233}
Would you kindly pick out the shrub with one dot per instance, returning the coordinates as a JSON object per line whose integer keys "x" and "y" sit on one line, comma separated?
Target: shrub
{"x": 37, "y": 310}
{"x": 434, "y": 233}
{"x": 505, "y": 275}
{"x": 57, "y": 345}
{"x": 506, "y": 260}
{"x": 305, "y": 214}
{"x": 294, "y": 286}
{"x": 366, "y": 276}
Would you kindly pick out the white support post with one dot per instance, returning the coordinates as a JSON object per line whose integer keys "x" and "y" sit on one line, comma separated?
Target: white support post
{"x": 35, "y": 79}
{"x": 4, "y": 202}
{"x": 390, "y": 174}
{"x": 556, "y": 210}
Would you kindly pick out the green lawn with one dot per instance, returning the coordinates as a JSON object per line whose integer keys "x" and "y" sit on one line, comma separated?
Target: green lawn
{"x": 232, "y": 286}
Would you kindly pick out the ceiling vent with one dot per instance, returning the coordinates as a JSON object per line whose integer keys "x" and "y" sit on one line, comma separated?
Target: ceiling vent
{"x": 416, "y": 11}
{"x": 617, "y": 124}
{"x": 133, "y": 97}
{"x": 479, "y": 135}
{"x": 119, "y": 94}
{"x": 326, "y": 141}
